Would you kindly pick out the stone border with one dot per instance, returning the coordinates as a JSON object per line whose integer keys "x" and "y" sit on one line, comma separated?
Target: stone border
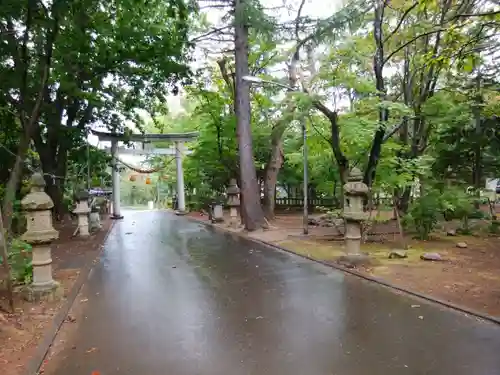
{"x": 36, "y": 361}
{"x": 377, "y": 280}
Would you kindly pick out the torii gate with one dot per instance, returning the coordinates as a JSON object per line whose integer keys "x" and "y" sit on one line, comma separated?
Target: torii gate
{"x": 178, "y": 138}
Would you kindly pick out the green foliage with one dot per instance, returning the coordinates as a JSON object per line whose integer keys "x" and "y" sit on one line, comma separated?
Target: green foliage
{"x": 452, "y": 203}
{"x": 20, "y": 261}
{"x": 494, "y": 227}
{"x": 89, "y": 62}
{"x": 424, "y": 214}
{"x": 103, "y": 72}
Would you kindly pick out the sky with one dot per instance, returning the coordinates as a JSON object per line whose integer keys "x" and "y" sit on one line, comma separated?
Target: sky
{"x": 312, "y": 8}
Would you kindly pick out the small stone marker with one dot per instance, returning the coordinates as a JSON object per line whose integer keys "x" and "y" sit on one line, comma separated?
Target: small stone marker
{"x": 451, "y": 232}
{"x": 218, "y": 213}
{"x": 461, "y": 245}
{"x": 398, "y": 254}
{"x": 431, "y": 256}
{"x": 95, "y": 216}
{"x": 82, "y": 212}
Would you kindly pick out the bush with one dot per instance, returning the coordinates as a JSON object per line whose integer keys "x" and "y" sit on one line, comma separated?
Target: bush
{"x": 494, "y": 227}
{"x": 453, "y": 204}
{"x": 424, "y": 214}
{"x": 478, "y": 214}
{"x": 20, "y": 262}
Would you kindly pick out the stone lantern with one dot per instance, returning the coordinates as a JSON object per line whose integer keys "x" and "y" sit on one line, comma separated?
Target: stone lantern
{"x": 355, "y": 192}
{"x": 233, "y": 201}
{"x": 39, "y": 234}
{"x": 82, "y": 212}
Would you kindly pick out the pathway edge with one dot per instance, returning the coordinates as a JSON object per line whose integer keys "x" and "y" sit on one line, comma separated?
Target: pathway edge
{"x": 34, "y": 364}
{"x": 364, "y": 276}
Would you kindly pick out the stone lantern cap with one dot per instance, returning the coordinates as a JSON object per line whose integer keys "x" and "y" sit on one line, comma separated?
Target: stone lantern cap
{"x": 81, "y": 195}
{"x": 37, "y": 199}
{"x": 355, "y": 185}
{"x": 233, "y": 188}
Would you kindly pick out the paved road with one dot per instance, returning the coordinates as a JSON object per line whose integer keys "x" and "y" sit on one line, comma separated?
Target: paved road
{"x": 170, "y": 297}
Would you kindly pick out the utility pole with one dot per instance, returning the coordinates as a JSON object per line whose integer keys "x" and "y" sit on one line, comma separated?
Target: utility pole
{"x": 88, "y": 160}
{"x": 305, "y": 218}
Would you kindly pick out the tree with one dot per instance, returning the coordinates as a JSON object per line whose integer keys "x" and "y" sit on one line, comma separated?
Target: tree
{"x": 26, "y": 69}
{"x": 100, "y": 71}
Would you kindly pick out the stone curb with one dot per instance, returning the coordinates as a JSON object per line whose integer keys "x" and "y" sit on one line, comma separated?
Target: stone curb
{"x": 384, "y": 283}
{"x": 36, "y": 361}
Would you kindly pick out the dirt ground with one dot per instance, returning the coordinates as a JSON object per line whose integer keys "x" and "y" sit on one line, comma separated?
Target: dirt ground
{"x": 21, "y": 332}
{"x": 468, "y": 277}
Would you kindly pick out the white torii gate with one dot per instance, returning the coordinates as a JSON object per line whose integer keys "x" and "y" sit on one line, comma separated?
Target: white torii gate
{"x": 178, "y": 138}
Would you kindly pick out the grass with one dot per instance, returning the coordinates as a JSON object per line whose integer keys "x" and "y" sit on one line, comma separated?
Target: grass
{"x": 329, "y": 251}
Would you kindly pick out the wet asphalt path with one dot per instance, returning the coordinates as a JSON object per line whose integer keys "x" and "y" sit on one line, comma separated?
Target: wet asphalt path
{"x": 170, "y": 297}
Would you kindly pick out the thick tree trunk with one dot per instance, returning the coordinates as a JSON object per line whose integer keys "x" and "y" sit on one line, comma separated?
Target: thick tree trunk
{"x": 59, "y": 183}
{"x": 378, "y": 68}
{"x": 252, "y": 209}
{"x": 54, "y": 159}
{"x": 404, "y": 200}
{"x": 13, "y": 183}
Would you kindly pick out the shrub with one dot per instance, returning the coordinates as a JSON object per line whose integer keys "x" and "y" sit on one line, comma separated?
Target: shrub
{"x": 20, "y": 261}
{"x": 494, "y": 227}
{"x": 453, "y": 204}
{"x": 424, "y": 214}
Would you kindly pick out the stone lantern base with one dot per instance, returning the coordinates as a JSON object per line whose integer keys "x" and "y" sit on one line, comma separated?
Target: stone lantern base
{"x": 234, "y": 220}
{"x": 49, "y": 292}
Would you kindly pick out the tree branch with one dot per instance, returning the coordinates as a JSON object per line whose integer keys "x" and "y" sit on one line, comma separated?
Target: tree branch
{"x": 24, "y": 58}
{"x": 410, "y": 42}
{"x": 49, "y": 49}
{"x": 400, "y": 22}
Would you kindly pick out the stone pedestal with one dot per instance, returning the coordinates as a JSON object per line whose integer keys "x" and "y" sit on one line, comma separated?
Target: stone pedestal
{"x": 355, "y": 191}
{"x": 39, "y": 234}
{"x": 82, "y": 211}
{"x": 233, "y": 201}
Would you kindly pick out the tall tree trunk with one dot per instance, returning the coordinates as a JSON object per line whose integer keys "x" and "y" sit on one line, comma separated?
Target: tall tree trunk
{"x": 378, "y": 67}
{"x": 271, "y": 175}
{"x": 13, "y": 183}
{"x": 476, "y": 111}
{"x": 252, "y": 209}
{"x": 29, "y": 115}
{"x": 54, "y": 160}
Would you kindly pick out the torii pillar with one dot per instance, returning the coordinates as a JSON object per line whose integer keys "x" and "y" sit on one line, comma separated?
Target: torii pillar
{"x": 115, "y": 176}
{"x": 181, "y": 195}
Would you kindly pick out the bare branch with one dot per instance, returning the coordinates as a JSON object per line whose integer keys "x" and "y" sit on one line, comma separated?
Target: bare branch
{"x": 401, "y": 20}
{"x": 410, "y": 42}
{"x": 214, "y": 31}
